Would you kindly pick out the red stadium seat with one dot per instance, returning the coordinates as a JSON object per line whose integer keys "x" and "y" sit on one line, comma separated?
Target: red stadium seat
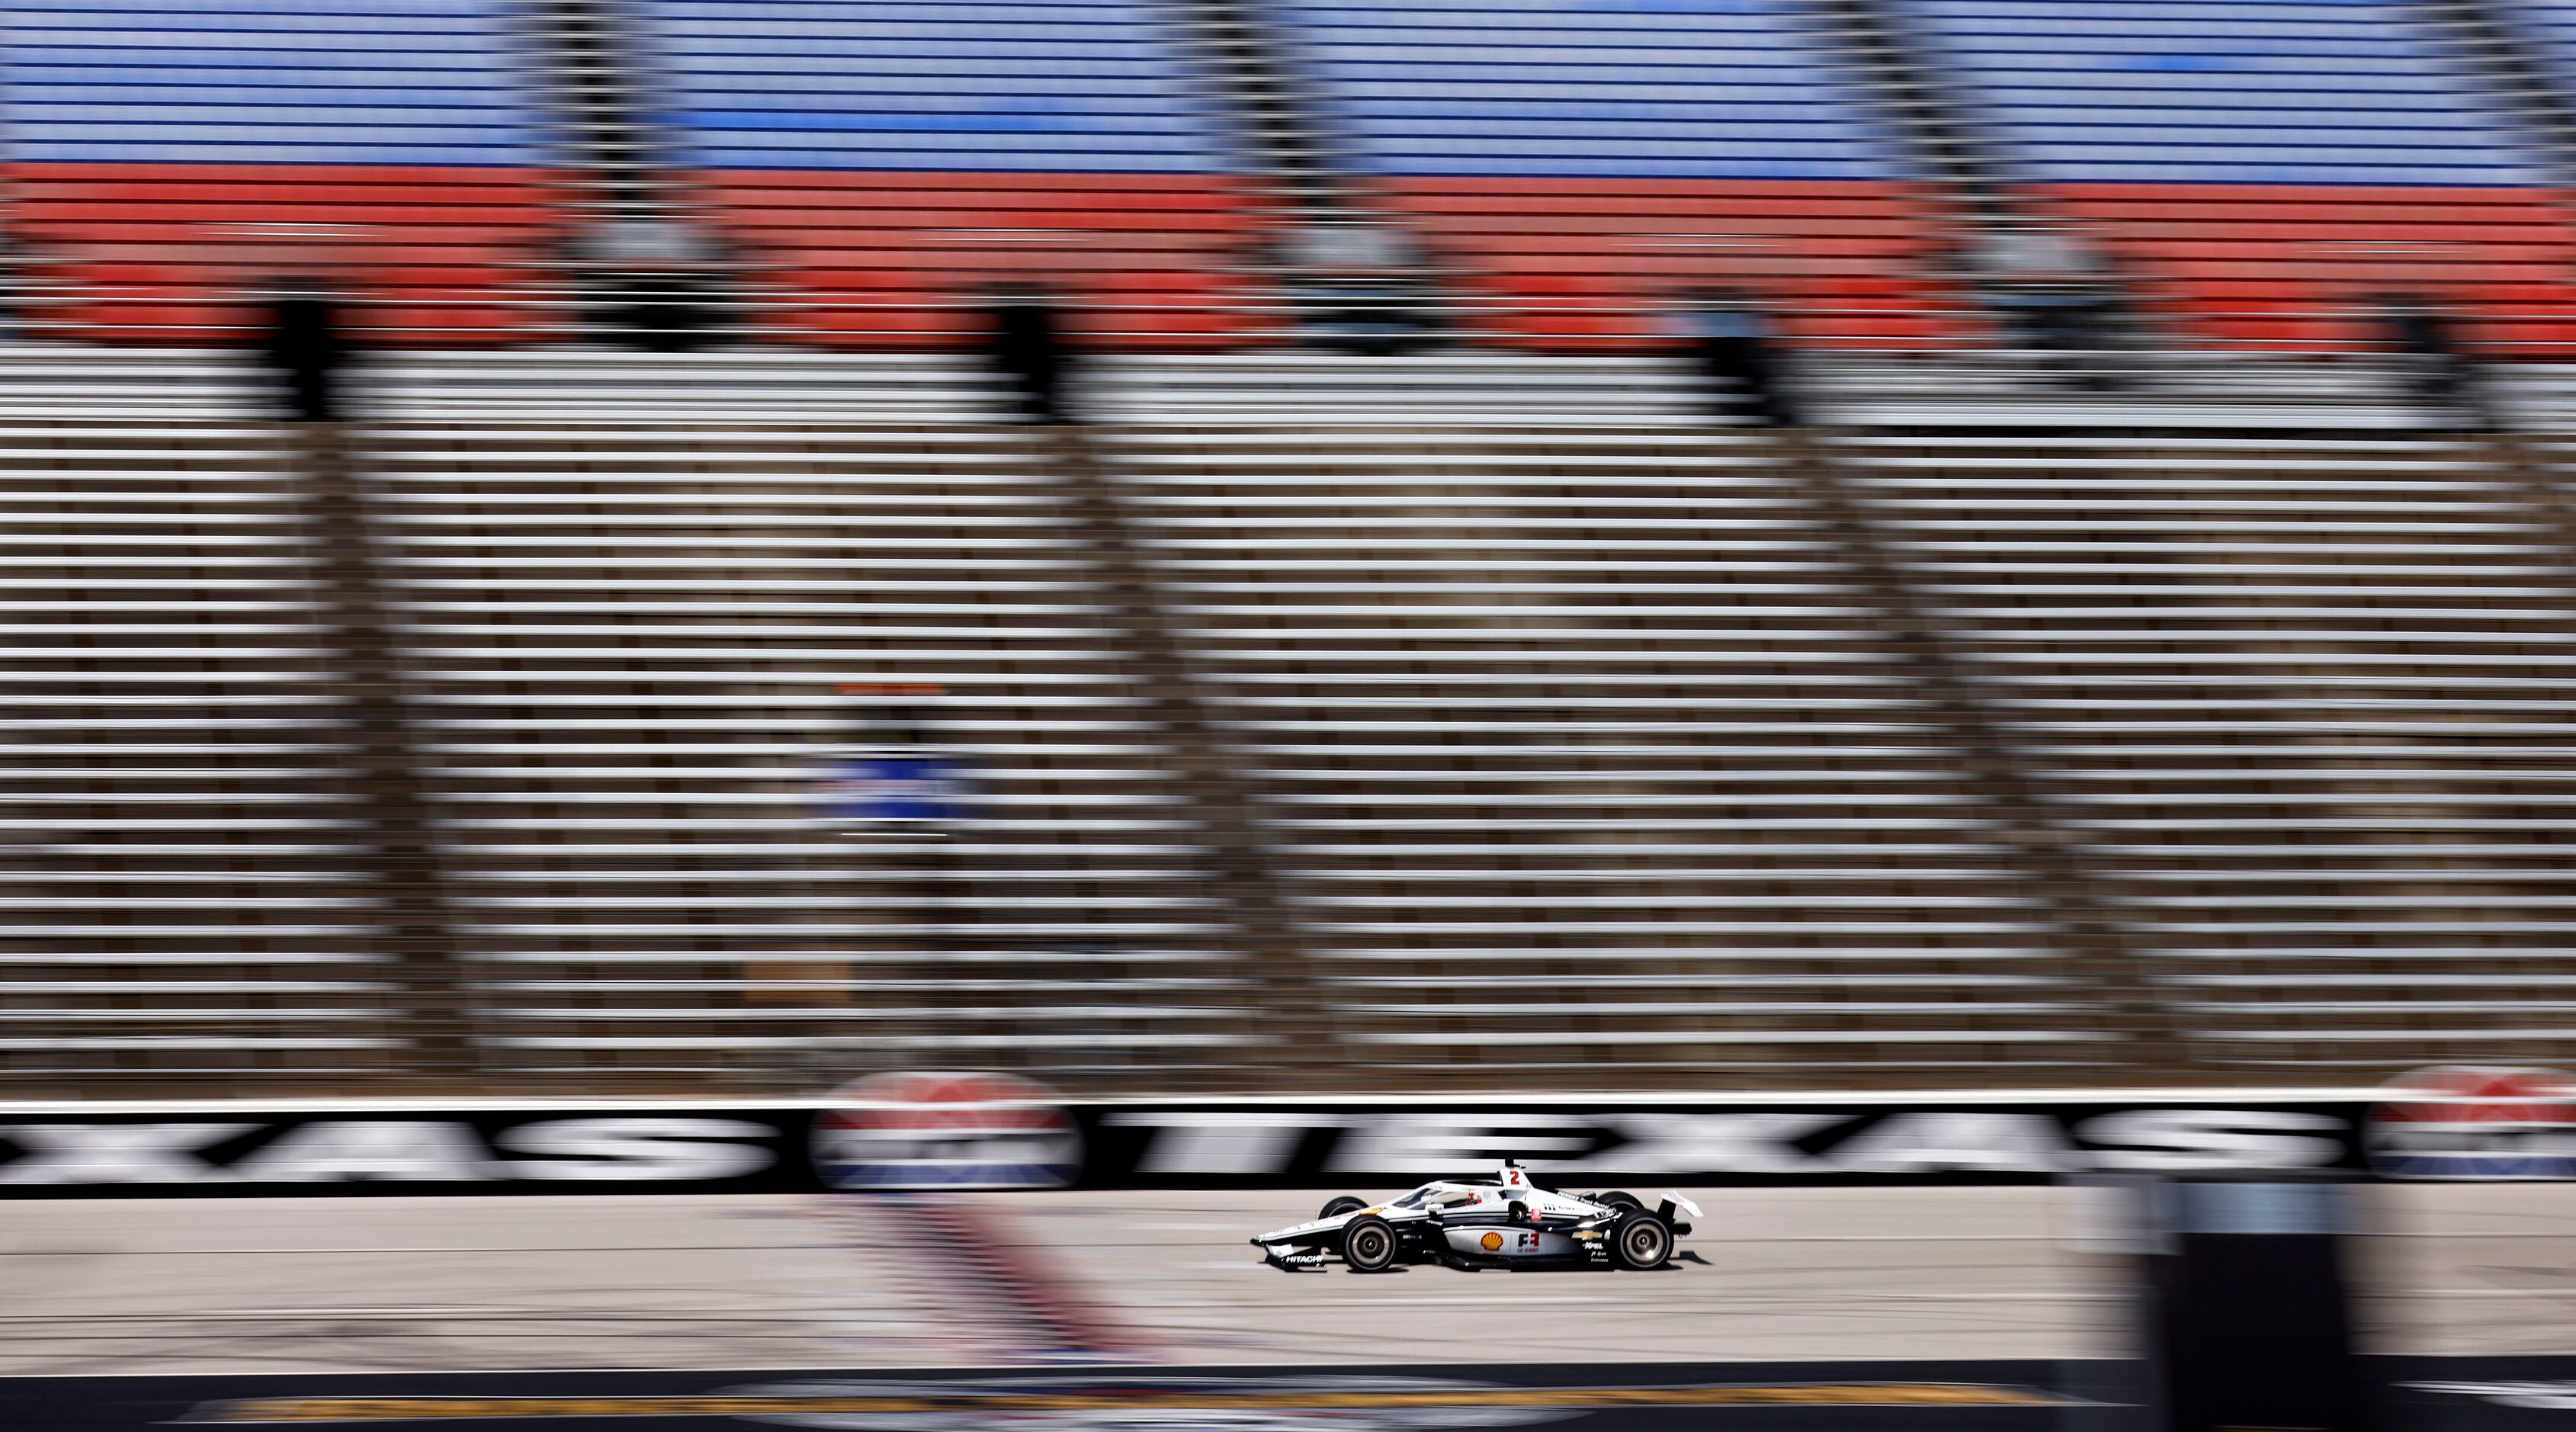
{"x": 2290, "y": 265}
{"x": 1565, "y": 263}
{"x": 159, "y": 253}
{"x": 874, "y": 259}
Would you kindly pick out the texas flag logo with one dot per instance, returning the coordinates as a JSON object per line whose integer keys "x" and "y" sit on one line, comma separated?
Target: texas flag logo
{"x": 2475, "y": 1122}
{"x": 919, "y": 1131}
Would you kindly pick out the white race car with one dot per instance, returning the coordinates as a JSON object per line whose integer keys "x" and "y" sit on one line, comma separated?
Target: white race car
{"x": 1501, "y": 1222}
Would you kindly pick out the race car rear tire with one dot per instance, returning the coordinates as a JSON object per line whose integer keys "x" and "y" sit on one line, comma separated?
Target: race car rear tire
{"x": 1368, "y": 1244}
{"x": 1615, "y": 1199}
{"x": 1342, "y": 1205}
{"x": 1641, "y": 1242}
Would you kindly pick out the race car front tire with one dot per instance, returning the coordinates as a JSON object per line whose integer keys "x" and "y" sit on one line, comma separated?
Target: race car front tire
{"x": 1641, "y": 1242}
{"x": 1342, "y": 1205}
{"x": 1369, "y": 1244}
{"x": 1615, "y": 1199}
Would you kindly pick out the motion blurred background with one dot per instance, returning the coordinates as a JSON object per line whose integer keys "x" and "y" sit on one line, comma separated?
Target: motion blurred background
{"x": 1902, "y": 594}
{"x": 1600, "y": 545}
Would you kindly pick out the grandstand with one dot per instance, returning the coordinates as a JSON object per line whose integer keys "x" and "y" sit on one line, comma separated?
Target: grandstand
{"x": 2256, "y": 169}
{"x": 632, "y": 639}
{"x": 880, "y": 160}
{"x": 1588, "y": 738}
{"x": 2298, "y": 703}
{"x": 1575, "y": 164}
{"x": 182, "y": 877}
{"x": 1504, "y": 716}
{"x": 168, "y": 158}
{"x": 2266, "y": 166}
{"x": 1587, "y": 748}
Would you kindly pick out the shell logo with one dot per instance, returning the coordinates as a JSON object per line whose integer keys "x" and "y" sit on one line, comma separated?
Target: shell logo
{"x": 1493, "y": 1242}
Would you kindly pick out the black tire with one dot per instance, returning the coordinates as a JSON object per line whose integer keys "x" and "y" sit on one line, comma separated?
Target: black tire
{"x": 1368, "y": 1244}
{"x": 1615, "y": 1199}
{"x": 1342, "y": 1205}
{"x": 1641, "y": 1242}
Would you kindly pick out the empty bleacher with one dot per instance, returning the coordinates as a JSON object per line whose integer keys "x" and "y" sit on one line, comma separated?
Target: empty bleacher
{"x": 1572, "y": 736}
{"x": 1578, "y": 736}
{"x": 1574, "y": 164}
{"x": 178, "y": 890}
{"x": 2258, "y": 168}
{"x": 2550, "y": 27}
{"x": 165, "y": 158}
{"x": 631, "y": 639}
{"x": 2262, "y": 167}
{"x": 883, "y": 164}
{"x": 2303, "y": 707}
{"x": 1583, "y": 751}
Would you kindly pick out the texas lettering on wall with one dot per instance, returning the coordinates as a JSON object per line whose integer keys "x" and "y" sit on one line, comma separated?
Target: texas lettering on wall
{"x": 57, "y": 1152}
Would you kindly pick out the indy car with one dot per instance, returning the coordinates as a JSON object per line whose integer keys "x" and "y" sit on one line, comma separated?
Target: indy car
{"x": 1501, "y": 1222}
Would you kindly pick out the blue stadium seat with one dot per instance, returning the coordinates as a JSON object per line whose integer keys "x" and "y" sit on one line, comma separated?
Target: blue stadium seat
{"x": 1710, "y": 89}
{"x": 1015, "y": 85}
{"x": 2551, "y": 25}
{"x": 1575, "y": 162}
{"x": 263, "y": 82}
{"x": 162, "y": 152}
{"x": 2223, "y": 91}
{"x": 2265, "y": 168}
{"x": 888, "y": 160}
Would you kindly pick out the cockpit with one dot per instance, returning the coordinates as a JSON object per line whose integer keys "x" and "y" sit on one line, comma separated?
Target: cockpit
{"x": 1438, "y": 1195}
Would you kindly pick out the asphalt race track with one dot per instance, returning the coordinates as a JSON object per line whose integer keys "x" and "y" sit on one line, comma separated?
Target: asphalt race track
{"x": 1775, "y": 1273}
{"x": 445, "y": 1284}
{"x": 131, "y": 1313}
